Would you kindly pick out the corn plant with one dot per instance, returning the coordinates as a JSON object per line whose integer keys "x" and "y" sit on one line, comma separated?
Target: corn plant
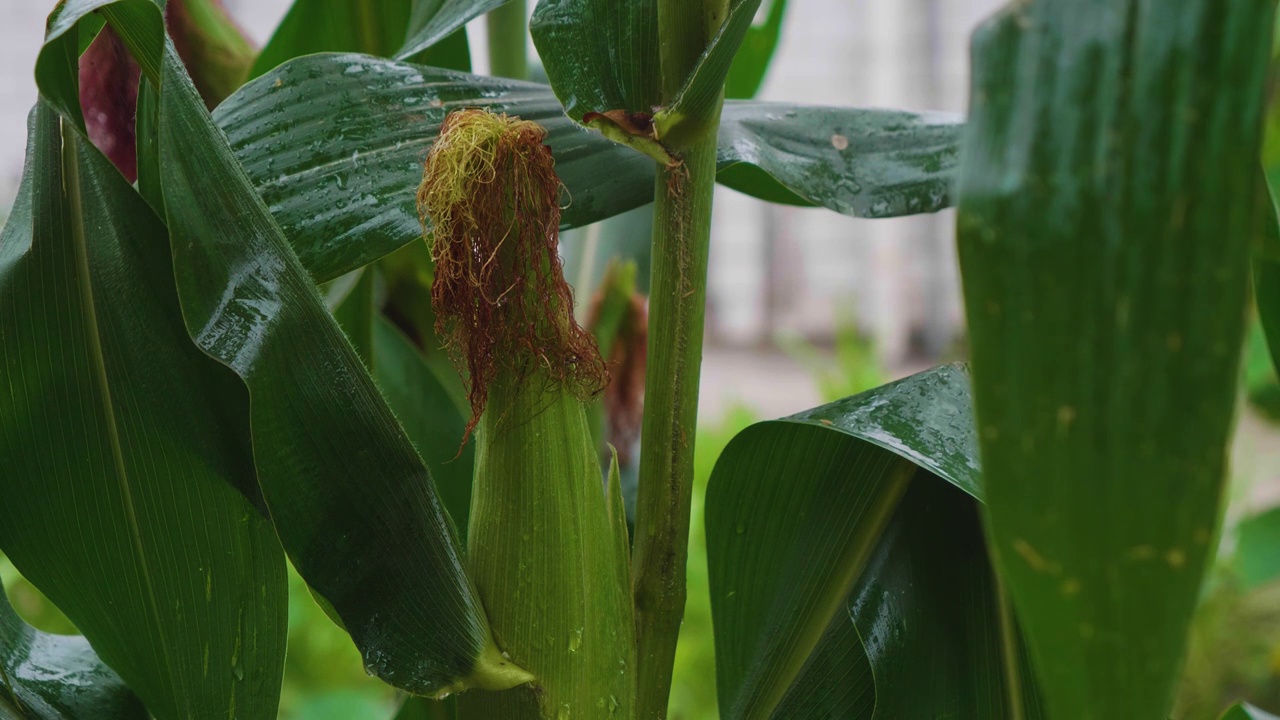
{"x": 307, "y": 306}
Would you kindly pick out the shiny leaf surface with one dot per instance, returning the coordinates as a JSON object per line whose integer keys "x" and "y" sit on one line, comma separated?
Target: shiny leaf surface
{"x": 348, "y": 495}
{"x": 334, "y": 144}
{"x": 375, "y": 541}
{"x": 599, "y": 55}
{"x": 847, "y": 566}
{"x": 1108, "y": 205}
{"x": 56, "y": 677}
{"x": 123, "y": 445}
{"x": 859, "y": 162}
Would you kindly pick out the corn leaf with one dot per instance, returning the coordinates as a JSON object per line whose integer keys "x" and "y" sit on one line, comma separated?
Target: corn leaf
{"x": 600, "y": 55}
{"x": 376, "y": 543}
{"x": 123, "y": 448}
{"x": 350, "y": 498}
{"x": 334, "y": 144}
{"x": 750, "y": 65}
{"x": 56, "y": 677}
{"x": 849, "y": 576}
{"x": 858, "y": 162}
{"x": 1108, "y": 206}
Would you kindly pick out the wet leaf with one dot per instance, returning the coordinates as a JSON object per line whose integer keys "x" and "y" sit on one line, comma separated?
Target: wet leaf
{"x": 124, "y": 448}
{"x": 848, "y": 571}
{"x": 335, "y": 144}
{"x": 1108, "y": 207}
{"x": 56, "y": 677}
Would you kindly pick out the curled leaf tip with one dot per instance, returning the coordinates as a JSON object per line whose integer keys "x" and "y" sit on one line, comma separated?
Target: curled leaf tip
{"x": 489, "y": 203}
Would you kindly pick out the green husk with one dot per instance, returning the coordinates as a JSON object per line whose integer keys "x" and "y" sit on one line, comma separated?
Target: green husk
{"x": 544, "y": 543}
{"x": 546, "y": 557}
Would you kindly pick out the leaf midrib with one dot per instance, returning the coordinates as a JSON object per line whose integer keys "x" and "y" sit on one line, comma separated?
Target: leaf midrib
{"x": 73, "y": 190}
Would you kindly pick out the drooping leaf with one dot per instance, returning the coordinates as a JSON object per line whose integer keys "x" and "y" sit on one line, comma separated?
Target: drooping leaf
{"x": 375, "y": 543}
{"x": 347, "y": 493}
{"x": 848, "y": 570}
{"x": 858, "y": 162}
{"x": 335, "y": 143}
{"x": 56, "y": 677}
{"x": 750, "y": 65}
{"x": 124, "y": 445}
{"x": 600, "y": 55}
{"x": 1108, "y": 205}
{"x": 375, "y": 27}
{"x": 432, "y": 21}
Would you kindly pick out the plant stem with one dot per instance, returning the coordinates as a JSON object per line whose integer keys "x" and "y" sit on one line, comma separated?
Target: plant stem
{"x": 508, "y": 40}
{"x": 677, "y": 305}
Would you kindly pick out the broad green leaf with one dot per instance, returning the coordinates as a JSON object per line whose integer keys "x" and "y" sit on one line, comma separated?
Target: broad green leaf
{"x": 351, "y": 500}
{"x": 1257, "y": 556}
{"x": 858, "y": 162}
{"x": 1108, "y": 206}
{"x": 1245, "y": 711}
{"x": 429, "y": 416}
{"x": 750, "y": 65}
{"x": 434, "y": 21}
{"x": 56, "y": 677}
{"x": 600, "y": 55}
{"x": 705, "y": 84}
{"x": 375, "y": 27}
{"x": 334, "y": 144}
{"x": 124, "y": 445}
{"x": 349, "y": 497}
{"x": 848, "y": 570}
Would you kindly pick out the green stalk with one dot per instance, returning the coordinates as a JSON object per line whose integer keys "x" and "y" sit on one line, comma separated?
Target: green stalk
{"x": 677, "y": 306}
{"x": 509, "y": 40}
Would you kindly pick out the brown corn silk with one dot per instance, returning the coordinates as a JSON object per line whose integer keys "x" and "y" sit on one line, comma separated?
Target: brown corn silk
{"x": 490, "y": 205}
